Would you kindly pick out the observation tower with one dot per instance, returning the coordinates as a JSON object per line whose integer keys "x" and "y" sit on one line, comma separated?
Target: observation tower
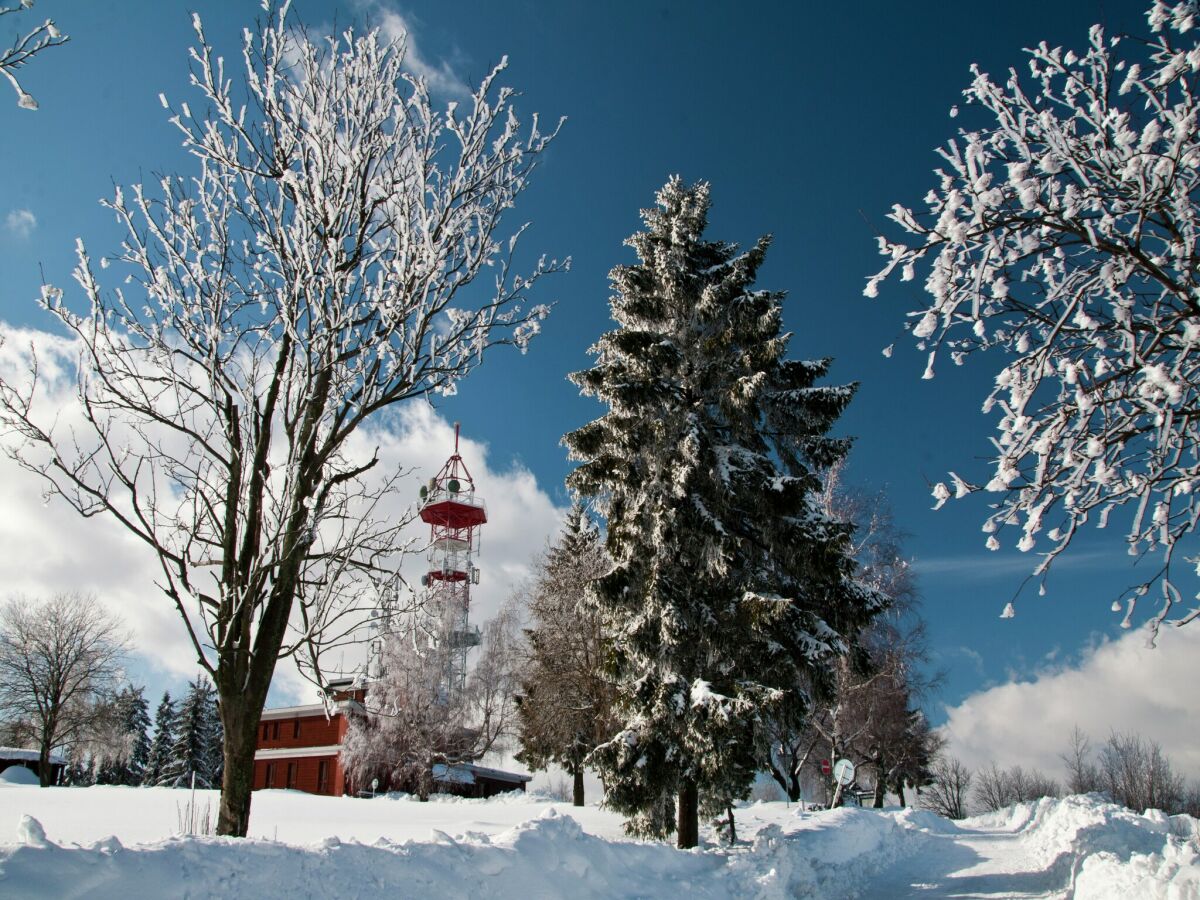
{"x": 454, "y": 515}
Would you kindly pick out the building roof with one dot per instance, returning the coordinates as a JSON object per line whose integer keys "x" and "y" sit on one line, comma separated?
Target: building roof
{"x": 298, "y": 752}
{"x": 23, "y": 755}
{"x": 467, "y": 773}
{"x": 310, "y": 709}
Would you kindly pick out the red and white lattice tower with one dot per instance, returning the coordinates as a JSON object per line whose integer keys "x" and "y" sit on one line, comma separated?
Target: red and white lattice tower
{"x": 454, "y": 515}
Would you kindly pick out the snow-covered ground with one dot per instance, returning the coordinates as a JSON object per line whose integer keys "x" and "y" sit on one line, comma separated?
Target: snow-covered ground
{"x": 120, "y": 842}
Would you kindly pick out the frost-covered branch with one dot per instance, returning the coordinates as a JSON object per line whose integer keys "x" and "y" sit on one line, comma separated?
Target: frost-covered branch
{"x": 24, "y": 48}
{"x": 1062, "y": 236}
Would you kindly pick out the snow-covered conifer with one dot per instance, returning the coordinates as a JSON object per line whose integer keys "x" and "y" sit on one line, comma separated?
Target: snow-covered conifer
{"x": 730, "y": 585}
{"x": 191, "y": 752}
{"x": 164, "y": 739}
{"x": 1061, "y": 235}
{"x": 125, "y": 761}
{"x": 565, "y": 708}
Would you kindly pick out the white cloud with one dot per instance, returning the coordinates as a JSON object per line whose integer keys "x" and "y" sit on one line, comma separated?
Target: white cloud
{"x": 45, "y": 546}
{"x": 20, "y": 222}
{"x": 986, "y": 565}
{"x": 395, "y": 26}
{"x": 1118, "y": 685}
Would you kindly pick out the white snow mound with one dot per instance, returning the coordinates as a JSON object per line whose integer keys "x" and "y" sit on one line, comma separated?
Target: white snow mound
{"x": 113, "y": 843}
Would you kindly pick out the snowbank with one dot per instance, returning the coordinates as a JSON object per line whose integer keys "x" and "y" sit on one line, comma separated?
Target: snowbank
{"x": 18, "y": 775}
{"x": 101, "y": 842}
{"x": 1108, "y": 852}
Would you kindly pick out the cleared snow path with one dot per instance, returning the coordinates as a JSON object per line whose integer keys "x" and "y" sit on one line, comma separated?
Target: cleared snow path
{"x": 1078, "y": 847}
{"x": 100, "y": 843}
{"x": 978, "y": 862}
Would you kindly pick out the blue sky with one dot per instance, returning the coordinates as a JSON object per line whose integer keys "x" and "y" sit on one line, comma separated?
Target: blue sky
{"x": 808, "y": 119}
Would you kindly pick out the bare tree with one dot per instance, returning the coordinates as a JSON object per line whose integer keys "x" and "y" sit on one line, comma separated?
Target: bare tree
{"x": 948, "y": 792}
{"x": 416, "y": 720}
{"x": 996, "y": 788}
{"x": 494, "y": 682}
{"x": 59, "y": 662}
{"x": 1061, "y": 236}
{"x": 25, "y": 48}
{"x": 565, "y": 703}
{"x": 991, "y": 788}
{"x": 317, "y": 269}
{"x": 1136, "y": 773}
{"x": 1083, "y": 776}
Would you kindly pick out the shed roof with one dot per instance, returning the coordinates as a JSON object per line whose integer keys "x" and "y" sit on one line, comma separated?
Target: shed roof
{"x": 24, "y": 755}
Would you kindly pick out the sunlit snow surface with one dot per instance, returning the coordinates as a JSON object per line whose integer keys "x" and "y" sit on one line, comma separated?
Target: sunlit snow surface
{"x": 117, "y": 842}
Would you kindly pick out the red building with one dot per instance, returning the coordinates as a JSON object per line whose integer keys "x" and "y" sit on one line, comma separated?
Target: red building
{"x": 298, "y": 746}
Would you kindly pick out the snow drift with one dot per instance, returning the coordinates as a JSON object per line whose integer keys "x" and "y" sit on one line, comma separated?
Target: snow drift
{"x": 75, "y": 842}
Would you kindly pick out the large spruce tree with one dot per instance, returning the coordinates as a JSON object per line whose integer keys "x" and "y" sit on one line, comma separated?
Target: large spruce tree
{"x": 730, "y": 587}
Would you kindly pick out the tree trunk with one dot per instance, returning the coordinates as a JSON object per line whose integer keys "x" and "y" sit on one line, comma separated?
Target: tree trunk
{"x": 577, "y": 800}
{"x": 879, "y": 792}
{"x": 49, "y": 726}
{"x": 900, "y": 792}
{"x": 44, "y": 769}
{"x": 240, "y": 719}
{"x": 687, "y": 825}
{"x": 732, "y": 825}
{"x": 794, "y": 790}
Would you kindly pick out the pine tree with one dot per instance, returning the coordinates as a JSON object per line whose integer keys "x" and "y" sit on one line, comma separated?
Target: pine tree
{"x": 191, "y": 753}
{"x": 164, "y": 738}
{"x": 79, "y": 771}
{"x": 125, "y": 762}
{"x": 731, "y": 587}
{"x": 136, "y": 718}
{"x": 565, "y": 707}
{"x": 216, "y": 735}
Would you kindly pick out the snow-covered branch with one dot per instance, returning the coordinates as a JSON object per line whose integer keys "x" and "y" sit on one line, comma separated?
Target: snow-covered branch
{"x": 1062, "y": 236}
{"x": 26, "y": 47}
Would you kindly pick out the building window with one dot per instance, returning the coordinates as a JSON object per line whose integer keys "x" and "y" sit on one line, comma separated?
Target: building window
{"x": 266, "y": 731}
{"x": 291, "y": 775}
{"x": 296, "y": 729}
{"x": 274, "y": 731}
{"x": 270, "y": 779}
{"x": 323, "y": 777}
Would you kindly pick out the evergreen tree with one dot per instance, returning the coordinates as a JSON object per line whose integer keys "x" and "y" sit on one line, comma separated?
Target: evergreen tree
{"x": 135, "y": 719}
{"x": 730, "y": 587}
{"x": 79, "y": 771}
{"x": 191, "y": 753}
{"x": 216, "y": 735}
{"x": 124, "y": 758}
{"x": 565, "y": 704}
{"x": 164, "y": 738}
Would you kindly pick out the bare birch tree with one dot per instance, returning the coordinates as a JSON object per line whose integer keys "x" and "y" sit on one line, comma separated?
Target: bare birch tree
{"x": 318, "y": 268}
{"x": 25, "y": 47}
{"x": 60, "y": 662}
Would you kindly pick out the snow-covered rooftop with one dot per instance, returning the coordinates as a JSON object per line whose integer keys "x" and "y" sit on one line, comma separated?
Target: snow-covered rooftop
{"x": 26, "y": 755}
